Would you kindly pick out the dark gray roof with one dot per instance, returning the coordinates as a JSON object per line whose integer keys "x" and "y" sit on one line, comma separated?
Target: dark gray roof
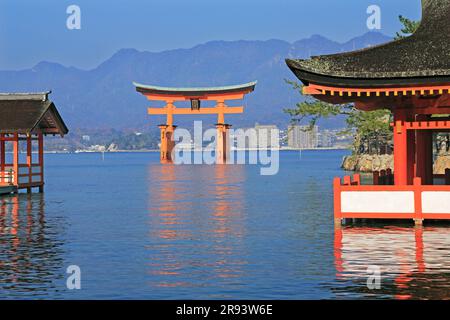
{"x": 29, "y": 113}
{"x": 423, "y": 57}
{"x": 198, "y": 91}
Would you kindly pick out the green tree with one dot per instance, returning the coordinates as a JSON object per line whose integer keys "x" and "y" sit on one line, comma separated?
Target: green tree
{"x": 409, "y": 27}
{"x": 373, "y": 132}
{"x": 313, "y": 109}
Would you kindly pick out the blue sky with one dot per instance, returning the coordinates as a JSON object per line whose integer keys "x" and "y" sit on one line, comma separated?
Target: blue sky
{"x": 35, "y": 30}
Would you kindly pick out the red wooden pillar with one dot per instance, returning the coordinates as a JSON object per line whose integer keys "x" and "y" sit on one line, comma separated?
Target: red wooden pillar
{"x": 428, "y": 155}
{"x": 167, "y": 143}
{"x": 29, "y": 162}
{"x": 167, "y": 132}
{"x": 163, "y": 143}
{"x": 16, "y": 159}
{"x": 337, "y": 202}
{"x": 418, "y": 212}
{"x": 424, "y": 154}
{"x": 2, "y": 157}
{"x": 221, "y": 107}
{"x": 41, "y": 160}
{"x": 400, "y": 148}
{"x": 222, "y": 143}
{"x": 170, "y": 142}
{"x": 411, "y": 151}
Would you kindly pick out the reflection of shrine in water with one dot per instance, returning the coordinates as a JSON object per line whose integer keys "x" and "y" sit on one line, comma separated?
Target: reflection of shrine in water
{"x": 196, "y": 225}
{"x": 30, "y": 254}
{"x": 414, "y": 262}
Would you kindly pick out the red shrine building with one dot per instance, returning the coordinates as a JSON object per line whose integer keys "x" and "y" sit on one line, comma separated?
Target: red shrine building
{"x": 411, "y": 77}
{"x": 220, "y": 95}
{"x": 25, "y": 118}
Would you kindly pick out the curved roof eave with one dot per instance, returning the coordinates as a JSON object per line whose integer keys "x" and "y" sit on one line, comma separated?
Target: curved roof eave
{"x": 308, "y": 77}
{"x": 250, "y": 86}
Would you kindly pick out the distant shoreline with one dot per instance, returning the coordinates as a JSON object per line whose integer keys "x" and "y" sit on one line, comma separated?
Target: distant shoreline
{"x": 153, "y": 150}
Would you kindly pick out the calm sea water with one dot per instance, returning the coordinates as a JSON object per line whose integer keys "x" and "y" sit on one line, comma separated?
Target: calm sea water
{"x": 141, "y": 230}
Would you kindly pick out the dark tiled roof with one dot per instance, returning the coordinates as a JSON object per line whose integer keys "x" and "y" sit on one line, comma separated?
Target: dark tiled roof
{"x": 29, "y": 113}
{"x": 149, "y": 89}
{"x": 421, "y": 58}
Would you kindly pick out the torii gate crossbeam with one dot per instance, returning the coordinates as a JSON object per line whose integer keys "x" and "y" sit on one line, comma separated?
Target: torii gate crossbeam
{"x": 195, "y": 95}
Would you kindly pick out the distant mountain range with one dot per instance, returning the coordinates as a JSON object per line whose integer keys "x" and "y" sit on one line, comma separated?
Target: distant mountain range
{"x": 104, "y": 97}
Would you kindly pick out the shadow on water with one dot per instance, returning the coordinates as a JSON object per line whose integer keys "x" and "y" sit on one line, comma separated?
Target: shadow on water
{"x": 414, "y": 261}
{"x": 30, "y": 252}
{"x": 196, "y": 225}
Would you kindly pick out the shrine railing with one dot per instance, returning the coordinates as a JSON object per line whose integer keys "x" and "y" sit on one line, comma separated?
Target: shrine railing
{"x": 417, "y": 201}
{"x": 7, "y": 177}
{"x": 27, "y": 175}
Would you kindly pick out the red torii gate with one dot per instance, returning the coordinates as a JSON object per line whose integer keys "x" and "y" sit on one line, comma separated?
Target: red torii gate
{"x": 195, "y": 95}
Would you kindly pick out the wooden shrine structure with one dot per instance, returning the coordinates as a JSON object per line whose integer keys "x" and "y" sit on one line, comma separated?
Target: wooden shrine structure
{"x": 24, "y": 120}
{"x": 195, "y": 96}
{"x": 411, "y": 77}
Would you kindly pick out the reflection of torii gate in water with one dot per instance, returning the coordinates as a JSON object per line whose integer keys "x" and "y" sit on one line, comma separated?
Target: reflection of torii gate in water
{"x": 195, "y": 96}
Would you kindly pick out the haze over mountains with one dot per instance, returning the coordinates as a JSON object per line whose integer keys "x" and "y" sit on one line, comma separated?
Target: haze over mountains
{"x": 104, "y": 97}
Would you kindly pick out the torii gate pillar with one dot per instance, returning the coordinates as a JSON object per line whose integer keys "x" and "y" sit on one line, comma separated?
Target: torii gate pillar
{"x": 167, "y": 143}
{"x": 222, "y": 143}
